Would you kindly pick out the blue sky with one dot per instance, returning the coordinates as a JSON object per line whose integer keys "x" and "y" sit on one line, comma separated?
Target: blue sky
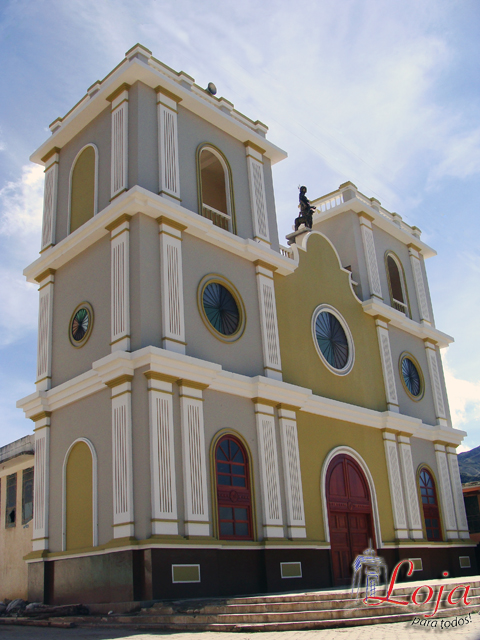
{"x": 385, "y": 94}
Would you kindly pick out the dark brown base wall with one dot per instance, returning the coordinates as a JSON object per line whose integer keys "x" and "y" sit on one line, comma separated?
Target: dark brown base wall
{"x": 126, "y": 576}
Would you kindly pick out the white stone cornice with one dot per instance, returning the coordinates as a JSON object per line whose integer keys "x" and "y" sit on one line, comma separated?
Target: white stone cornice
{"x": 181, "y": 367}
{"x": 154, "y": 74}
{"x": 141, "y": 200}
{"x": 399, "y": 320}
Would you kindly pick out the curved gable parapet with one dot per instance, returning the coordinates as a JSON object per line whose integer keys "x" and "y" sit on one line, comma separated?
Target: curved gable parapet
{"x": 320, "y": 280}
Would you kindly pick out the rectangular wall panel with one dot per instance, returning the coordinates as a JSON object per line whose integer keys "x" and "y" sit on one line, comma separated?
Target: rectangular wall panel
{"x": 49, "y": 206}
{"x": 120, "y": 290}
{"x": 44, "y": 345}
{"x": 173, "y": 314}
{"x": 293, "y": 478}
{"x": 371, "y": 258}
{"x": 119, "y": 169}
{"x": 271, "y": 497}
{"x": 164, "y": 494}
{"x": 437, "y": 391}
{"x": 194, "y": 466}
{"x": 419, "y": 286}
{"x": 168, "y": 151}
{"x": 410, "y": 488}
{"x": 41, "y": 481}
{"x": 457, "y": 493}
{"x": 448, "y": 509}
{"x": 269, "y": 327}
{"x": 395, "y": 482}
{"x": 387, "y": 365}
{"x": 123, "y": 519}
{"x": 258, "y": 199}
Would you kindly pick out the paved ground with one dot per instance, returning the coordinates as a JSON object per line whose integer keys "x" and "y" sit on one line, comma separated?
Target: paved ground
{"x": 396, "y": 631}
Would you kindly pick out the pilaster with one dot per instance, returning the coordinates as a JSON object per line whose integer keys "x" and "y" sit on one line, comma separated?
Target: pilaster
{"x": 437, "y": 392}
{"x": 448, "y": 509}
{"x": 162, "y": 454}
{"x": 457, "y": 493}
{"x": 169, "y": 174}
{"x": 287, "y": 418}
{"x": 410, "y": 488}
{"x": 387, "y": 364}
{"x": 268, "y": 321}
{"x": 197, "y": 519}
{"x": 123, "y": 516}
{"x": 119, "y": 153}
{"x": 370, "y": 256}
{"x": 419, "y": 284}
{"x": 257, "y": 193}
{"x": 270, "y": 480}
{"x": 395, "y": 482}
{"x": 50, "y": 199}
{"x": 173, "y": 310}
{"x": 120, "y": 283}
{"x": 45, "y": 327}
{"x": 41, "y": 481}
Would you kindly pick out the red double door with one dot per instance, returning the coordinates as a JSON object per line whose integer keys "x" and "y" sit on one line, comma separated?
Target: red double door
{"x": 349, "y": 515}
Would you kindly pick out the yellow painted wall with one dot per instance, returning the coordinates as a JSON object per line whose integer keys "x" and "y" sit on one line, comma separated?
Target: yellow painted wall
{"x": 82, "y": 204}
{"x": 79, "y": 498}
{"x": 15, "y": 542}
{"x": 317, "y": 436}
{"x": 320, "y": 280}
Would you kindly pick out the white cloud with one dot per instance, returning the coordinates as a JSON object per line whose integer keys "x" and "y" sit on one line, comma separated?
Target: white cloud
{"x": 20, "y": 225}
{"x": 464, "y": 400}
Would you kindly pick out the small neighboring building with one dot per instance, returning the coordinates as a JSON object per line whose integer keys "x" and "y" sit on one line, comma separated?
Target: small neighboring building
{"x": 471, "y": 496}
{"x": 16, "y": 513}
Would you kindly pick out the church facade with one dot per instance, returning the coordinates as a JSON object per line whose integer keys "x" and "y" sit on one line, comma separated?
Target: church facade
{"x": 215, "y": 413}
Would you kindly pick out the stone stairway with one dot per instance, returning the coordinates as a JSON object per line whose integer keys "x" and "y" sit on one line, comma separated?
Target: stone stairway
{"x": 273, "y": 612}
{"x": 279, "y": 612}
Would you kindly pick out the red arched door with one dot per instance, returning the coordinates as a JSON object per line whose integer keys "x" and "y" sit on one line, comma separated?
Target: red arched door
{"x": 431, "y": 513}
{"x": 233, "y": 490}
{"x": 349, "y": 515}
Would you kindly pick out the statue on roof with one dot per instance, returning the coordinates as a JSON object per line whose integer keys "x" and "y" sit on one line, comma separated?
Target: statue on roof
{"x": 306, "y": 210}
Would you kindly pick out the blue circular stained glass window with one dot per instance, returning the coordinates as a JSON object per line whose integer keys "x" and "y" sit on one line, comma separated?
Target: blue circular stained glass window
{"x": 411, "y": 377}
{"x": 81, "y": 324}
{"x": 221, "y": 309}
{"x": 332, "y": 340}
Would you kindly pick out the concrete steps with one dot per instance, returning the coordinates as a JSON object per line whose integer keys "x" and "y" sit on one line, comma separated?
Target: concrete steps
{"x": 279, "y": 612}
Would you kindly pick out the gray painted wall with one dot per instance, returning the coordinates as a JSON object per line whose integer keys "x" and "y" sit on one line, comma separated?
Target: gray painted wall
{"x": 88, "y": 418}
{"x": 86, "y": 278}
{"x": 245, "y": 354}
{"x": 97, "y": 132}
{"x": 142, "y": 137}
{"x": 141, "y": 456}
{"x": 424, "y": 408}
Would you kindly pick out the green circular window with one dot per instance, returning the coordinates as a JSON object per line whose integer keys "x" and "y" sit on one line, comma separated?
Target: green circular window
{"x": 411, "y": 376}
{"x": 81, "y": 324}
{"x": 221, "y": 308}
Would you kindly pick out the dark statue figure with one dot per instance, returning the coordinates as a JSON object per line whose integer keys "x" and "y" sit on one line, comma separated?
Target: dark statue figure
{"x": 306, "y": 210}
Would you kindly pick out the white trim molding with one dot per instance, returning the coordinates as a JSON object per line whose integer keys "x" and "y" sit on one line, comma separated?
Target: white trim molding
{"x": 197, "y": 519}
{"x": 162, "y": 455}
{"x": 343, "y": 449}
{"x": 171, "y": 291}
{"x": 169, "y": 173}
{"x": 410, "y": 488}
{"x": 258, "y": 200}
{"x": 50, "y": 201}
{"x": 270, "y": 479}
{"x": 457, "y": 492}
{"x": 287, "y": 420}
{"x": 45, "y": 333}
{"x": 420, "y": 288}
{"x": 437, "y": 391}
{"x": 268, "y": 323}
{"x": 94, "y": 492}
{"x": 370, "y": 256}
{"x": 41, "y": 482}
{"x": 122, "y": 457}
{"x": 95, "y": 196}
{"x": 120, "y": 286}
{"x": 119, "y": 162}
{"x": 446, "y": 497}
{"x": 395, "y": 483}
{"x": 387, "y": 364}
